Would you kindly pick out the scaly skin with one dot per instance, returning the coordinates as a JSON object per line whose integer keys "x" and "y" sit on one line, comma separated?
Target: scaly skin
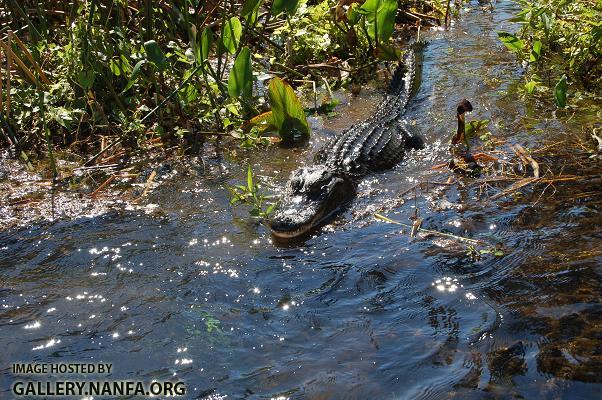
{"x": 316, "y": 193}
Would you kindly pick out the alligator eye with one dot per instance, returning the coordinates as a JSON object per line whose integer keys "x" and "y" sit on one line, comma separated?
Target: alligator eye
{"x": 296, "y": 184}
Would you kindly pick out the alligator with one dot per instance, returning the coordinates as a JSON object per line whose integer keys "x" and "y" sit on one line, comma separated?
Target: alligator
{"x": 314, "y": 194}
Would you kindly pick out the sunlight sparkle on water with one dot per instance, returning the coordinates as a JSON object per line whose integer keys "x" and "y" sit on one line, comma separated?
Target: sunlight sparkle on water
{"x": 50, "y": 343}
{"x": 471, "y": 296}
{"x": 446, "y": 284}
{"x": 34, "y": 325}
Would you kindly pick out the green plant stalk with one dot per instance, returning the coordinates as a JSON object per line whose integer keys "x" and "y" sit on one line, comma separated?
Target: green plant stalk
{"x": 151, "y": 112}
{"x": 219, "y": 59}
{"x": 35, "y": 34}
{"x": 10, "y": 135}
{"x": 86, "y": 47}
{"x": 47, "y": 135}
{"x": 218, "y": 119}
{"x": 148, "y": 20}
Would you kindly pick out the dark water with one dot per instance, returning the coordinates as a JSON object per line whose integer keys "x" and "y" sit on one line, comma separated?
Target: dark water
{"x": 188, "y": 288}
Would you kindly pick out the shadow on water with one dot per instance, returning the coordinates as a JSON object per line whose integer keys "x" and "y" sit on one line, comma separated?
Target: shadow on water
{"x": 190, "y": 289}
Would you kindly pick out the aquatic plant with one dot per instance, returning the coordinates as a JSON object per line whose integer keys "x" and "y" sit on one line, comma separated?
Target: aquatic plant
{"x": 252, "y": 195}
{"x": 561, "y": 42}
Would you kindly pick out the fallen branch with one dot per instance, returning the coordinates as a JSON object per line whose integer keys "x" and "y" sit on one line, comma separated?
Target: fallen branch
{"x": 102, "y": 186}
{"x": 514, "y": 187}
{"x": 147, "y": 186}
{"x": 33, "y": 62}
{"x": 417, "y": 229}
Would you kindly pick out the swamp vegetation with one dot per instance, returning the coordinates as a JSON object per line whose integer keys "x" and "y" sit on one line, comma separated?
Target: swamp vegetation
{"x": 82, "y": 76}
{"x": 97, "y": 82}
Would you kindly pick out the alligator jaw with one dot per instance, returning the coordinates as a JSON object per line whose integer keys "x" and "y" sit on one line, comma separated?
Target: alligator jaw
{"x": 289, "y": 230}
{"x": 313, "y": 195}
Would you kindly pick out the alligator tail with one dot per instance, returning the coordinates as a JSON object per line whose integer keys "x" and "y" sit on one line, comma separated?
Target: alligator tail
{"x": 402, "y": 83}
{"x": 403, "y": 75}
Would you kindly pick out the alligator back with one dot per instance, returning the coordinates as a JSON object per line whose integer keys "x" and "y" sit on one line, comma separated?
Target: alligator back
{"x": 378, "y": 142}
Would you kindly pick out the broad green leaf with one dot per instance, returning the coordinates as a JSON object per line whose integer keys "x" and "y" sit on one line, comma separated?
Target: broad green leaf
{"x": 380, "y": 15}
{"x": 287, "y": 111}
{"x": 86, "y": 79}
{"x": 155, "y": 55}
{"x": 513, "y": 43}
{"x": 233, "y": 109}
{"x": 240, "y": 81}
{"x": 288, "y": 6}
{"x": 536, "y": 52}
{"x": 206, "y": 41}
{"x": 231, "y": 34}
{"x": 547, "y": 22}
{"x": 560, "y": 92}
{"x": 189, "y": 93}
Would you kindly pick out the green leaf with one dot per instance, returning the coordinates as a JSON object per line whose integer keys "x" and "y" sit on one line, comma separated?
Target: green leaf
{"x": 560, "y": 92}
{"x": 86, "y": 79}
{"x": 474, "y": 127}
{"x": 530, "y": 86}
{"x": 380, "y": 15}
{"x": 287, "y": 111}
{"x": 547, "y": 22}
{"x": 231, "y": 34}
{"x": 536, "y": 52}
{"x": 288, "y": 6}
{"x": 233, "y": 109}
{"x": 354, "y": 13}
{"x": 250, "y": 10}
{"x": 189, "y": 93}
{"x": 115, "y": 67}
{"x": 269, "y": 209}
{"x": 206, "y": 41}
{"x": 240, "y": 81}
{"x": 513, "y": 43}
{"x": 155, "y": 55}
{"x": 249, "y": 7}
{"x": 134, "y": 76}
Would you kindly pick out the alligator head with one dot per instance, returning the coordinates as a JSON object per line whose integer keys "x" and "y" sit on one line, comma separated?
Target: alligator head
{"x": 312, "y": 195}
